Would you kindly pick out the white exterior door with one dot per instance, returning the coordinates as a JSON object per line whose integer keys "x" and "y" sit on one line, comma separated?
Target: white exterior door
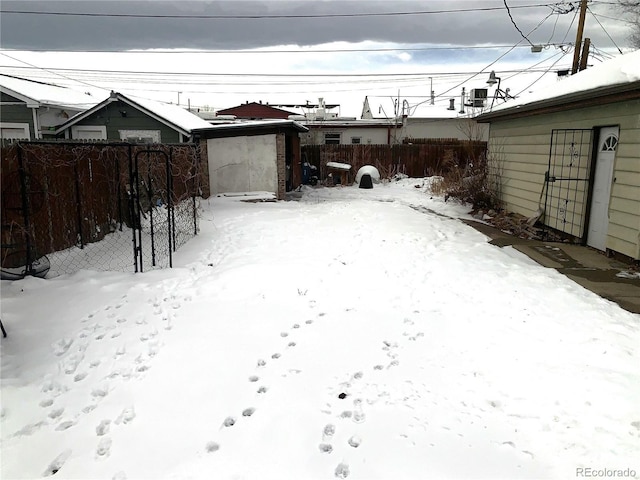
{"x": 603, "y": 177}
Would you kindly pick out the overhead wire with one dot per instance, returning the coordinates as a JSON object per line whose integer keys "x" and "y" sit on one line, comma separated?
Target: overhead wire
{"x": 604, "y": 29}
{"x": 514, "y": 23}
{"x": 261, "y": 17}
{"x": 492, "y": 63}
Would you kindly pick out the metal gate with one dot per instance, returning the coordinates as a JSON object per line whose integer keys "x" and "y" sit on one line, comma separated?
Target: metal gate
{"x": 99, "y": 206}
{"x": 567, "y": 180}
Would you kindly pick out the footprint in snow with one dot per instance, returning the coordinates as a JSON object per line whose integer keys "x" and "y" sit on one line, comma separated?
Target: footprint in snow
{"x": 247, "y": 412}
{"x": 254, "y": 378}
{"x": 57, "y": 463}
{"x": 211, "y": 447}
{"x": 127, "y": 416}
{"x": 65, "y": 425}
{"x": 325, "y": 447}
{"x": 355, "y": 441}
{"x": 229, "y": 422}
{"x": 342, "y": 470}
{"x": 55, "y": 413}
{"x": 103, "y": 427}
{"x": 61, "y": 346}
{"x": 262, "y": 389}
{"x": 104, "y": 447}
{"x": 329, "y": 430}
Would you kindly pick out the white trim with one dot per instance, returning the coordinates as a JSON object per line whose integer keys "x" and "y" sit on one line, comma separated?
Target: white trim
{"x": 76, "y": 129}
{"x": 24, "y": 126}
{"x": 31, "y": 103}
{"x": 154, "y": 134}
{"x": 36, "y": 124}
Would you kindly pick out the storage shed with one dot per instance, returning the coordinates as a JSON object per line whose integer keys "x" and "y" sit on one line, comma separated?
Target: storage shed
{"x": 261, "y": 155}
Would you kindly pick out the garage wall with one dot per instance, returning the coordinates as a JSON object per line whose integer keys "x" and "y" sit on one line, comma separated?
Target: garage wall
{"x": 242, "y": 164}
{"x": 519, "y": 148}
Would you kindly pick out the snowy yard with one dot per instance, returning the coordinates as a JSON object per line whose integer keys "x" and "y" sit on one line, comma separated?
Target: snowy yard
{"x": 366, "y": 334}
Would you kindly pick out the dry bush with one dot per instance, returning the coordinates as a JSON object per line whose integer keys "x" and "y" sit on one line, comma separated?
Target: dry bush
{"x": 471, "y": 184}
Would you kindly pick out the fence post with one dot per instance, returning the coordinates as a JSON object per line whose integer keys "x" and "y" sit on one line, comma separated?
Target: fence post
{"x": 132, "y": 210}
{"x": 78, "y": 204}
{"x": 170, "y": 225}
{"x": 25, "y": 211}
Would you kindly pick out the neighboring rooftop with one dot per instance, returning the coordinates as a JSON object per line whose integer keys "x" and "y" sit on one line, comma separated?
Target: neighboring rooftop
{"x": 256, "y": 111}
{"x": 40, "y": 93}
{"x": 170, "y": 114}
{"x": 618, "y": 74}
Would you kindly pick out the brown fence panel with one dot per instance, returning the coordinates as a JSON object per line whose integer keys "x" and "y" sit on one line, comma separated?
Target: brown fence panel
{"x": 425, "y": 157}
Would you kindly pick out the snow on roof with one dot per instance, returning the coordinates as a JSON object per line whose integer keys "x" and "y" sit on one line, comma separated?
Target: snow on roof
{"x": 620, "y": 70}
{"x": 172, "y": 115}
{"x": 47, "y": 94}
{"x": 239, "y": 125}
{"x": 175, "y": 114}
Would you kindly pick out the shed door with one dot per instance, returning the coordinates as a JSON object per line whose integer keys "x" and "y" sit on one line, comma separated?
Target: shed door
{"x": 599, "y": 217}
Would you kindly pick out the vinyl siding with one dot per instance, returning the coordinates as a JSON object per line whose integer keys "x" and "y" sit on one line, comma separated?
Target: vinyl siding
{"x": 519, "y": 150}
{"x": 112, "y": 118}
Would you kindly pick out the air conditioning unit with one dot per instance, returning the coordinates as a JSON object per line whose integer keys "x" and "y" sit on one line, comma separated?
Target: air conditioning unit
{"x": 478, "y": 97}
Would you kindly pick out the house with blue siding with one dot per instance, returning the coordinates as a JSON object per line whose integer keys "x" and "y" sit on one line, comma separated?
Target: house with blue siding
{"x": 123, "y": 118}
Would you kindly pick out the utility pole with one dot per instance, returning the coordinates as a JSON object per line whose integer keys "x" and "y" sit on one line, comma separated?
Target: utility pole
{"x": 585, "y": 54}
{"x": 578, "y": 44}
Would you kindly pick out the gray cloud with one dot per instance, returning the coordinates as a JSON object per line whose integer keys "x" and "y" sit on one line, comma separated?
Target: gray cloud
{"x": 21, "y": 31}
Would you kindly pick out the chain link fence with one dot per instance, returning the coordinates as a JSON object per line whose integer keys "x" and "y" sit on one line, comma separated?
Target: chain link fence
{"x": 100, "y": 206}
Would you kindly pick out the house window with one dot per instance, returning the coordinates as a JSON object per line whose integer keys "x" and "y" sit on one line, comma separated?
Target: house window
{"x": 18, "y": 131}
{"x": 140, "y": 136}
{"x": 356, "y": 140}
{"x": 332, "y": 139}
{"x": 610, "y": 144}
{"x": 89, "y": 132}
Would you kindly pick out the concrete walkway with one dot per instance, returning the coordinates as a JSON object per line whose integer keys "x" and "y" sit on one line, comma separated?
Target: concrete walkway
{"x": 604, "y": 276}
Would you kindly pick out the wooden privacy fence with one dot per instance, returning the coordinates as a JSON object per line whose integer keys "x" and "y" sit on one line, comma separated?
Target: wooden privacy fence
{"x": 104, "y": 206}
{"x": 425, "y": 157}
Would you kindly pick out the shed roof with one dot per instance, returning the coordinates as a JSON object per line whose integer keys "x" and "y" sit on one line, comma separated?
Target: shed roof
{"x": 615, "y": 76}
{"x": 174, "y": 116}
{"x": 251, "y": 125}
{"x": 36, "y": 93}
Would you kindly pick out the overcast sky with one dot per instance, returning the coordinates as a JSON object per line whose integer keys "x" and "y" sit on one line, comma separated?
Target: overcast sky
{"x": 296, "y": 27}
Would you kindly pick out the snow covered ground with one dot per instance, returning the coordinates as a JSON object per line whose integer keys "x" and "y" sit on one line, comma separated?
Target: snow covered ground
{"x": 366, "y": 334}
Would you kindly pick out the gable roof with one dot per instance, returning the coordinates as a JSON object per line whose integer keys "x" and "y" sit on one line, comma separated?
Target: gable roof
{"x": 36, "y": 94}
{"x": 620, "y": 75}
{"x": 171, "y": 115}
{"x": 255, "y": 110}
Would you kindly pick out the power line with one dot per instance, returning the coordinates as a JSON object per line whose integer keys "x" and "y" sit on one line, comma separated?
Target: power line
{"x": 252, "y": 52}
{"x": 276, "y": 16}
{"x": 49, "y": 70}
{"x": 514, "y": 23}
{"x": 243, "y": 74}
{"x": 604, "y": 30}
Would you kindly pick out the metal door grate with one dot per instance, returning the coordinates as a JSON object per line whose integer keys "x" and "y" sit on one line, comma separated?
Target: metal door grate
{"x": 567, "y": 180}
